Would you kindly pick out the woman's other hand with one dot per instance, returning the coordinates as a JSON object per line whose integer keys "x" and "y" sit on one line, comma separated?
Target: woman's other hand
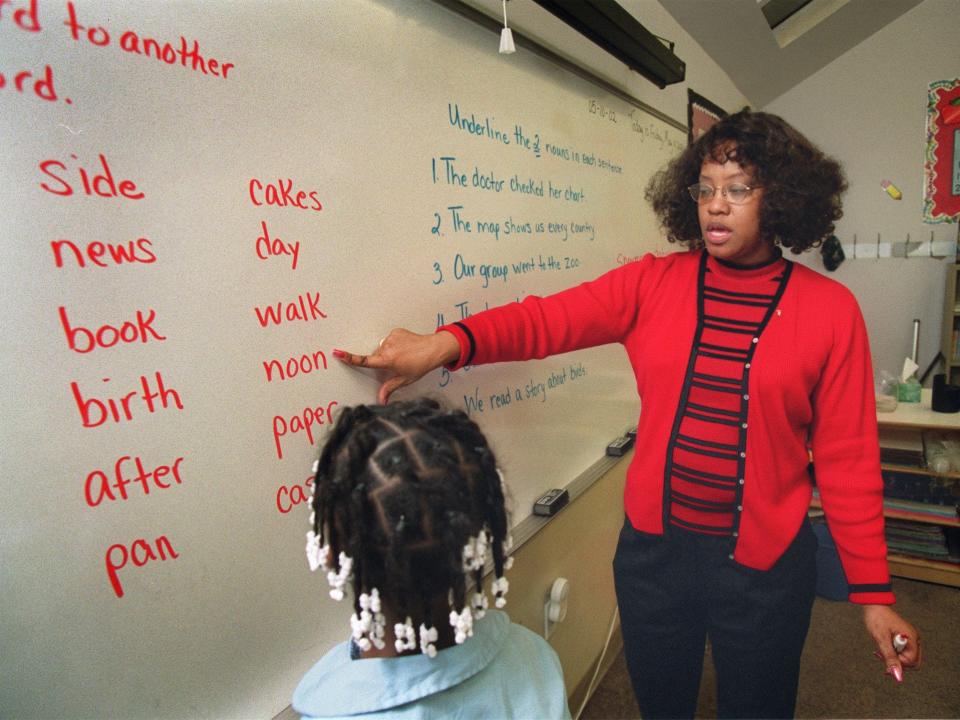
{"x": 884, "y": 624}
{"x": 406, "y": 357}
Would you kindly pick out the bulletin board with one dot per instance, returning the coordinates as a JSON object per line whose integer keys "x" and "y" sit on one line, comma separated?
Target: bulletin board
{"x": 201, "y": 201}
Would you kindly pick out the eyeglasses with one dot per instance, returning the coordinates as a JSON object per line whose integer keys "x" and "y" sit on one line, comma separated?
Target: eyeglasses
{"x": 736, "y": 193}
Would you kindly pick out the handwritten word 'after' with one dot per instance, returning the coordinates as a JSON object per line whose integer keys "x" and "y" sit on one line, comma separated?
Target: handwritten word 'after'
{"x": 98, "y": 487}
{"x": 186, "y": 55}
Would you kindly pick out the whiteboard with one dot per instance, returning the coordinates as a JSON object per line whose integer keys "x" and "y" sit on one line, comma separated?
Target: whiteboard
{"x": 201, "y": 201}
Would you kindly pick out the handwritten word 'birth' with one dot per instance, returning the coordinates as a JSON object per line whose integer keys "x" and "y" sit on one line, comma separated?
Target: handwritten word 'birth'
{"x": 95, "y": 412}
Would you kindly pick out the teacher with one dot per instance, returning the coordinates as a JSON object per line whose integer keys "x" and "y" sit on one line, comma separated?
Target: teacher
{"x": 746, "y": 364}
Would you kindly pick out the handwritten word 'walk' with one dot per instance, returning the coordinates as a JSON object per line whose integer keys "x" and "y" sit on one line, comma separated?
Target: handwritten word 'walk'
{"x": 306, "y": 308}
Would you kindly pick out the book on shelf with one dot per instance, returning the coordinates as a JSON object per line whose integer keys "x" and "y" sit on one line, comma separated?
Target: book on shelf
{"x": 931, "y": 542}
{"x": 901, "y": 446}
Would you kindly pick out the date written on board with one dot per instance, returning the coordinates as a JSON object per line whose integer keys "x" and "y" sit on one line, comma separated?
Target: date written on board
{"x": 602, "y": 111}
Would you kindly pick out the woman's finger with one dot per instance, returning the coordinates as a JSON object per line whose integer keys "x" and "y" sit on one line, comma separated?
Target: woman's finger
{"x": 389, "y": 387}
{"x": 368, "y": 361}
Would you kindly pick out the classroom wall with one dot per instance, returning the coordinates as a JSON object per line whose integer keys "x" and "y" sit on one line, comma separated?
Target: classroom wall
{"x": 703, "y": 75}
{"x": 59, "y": 624}
{"x": 868, "y": 109}
{"x": 579, "y": 544}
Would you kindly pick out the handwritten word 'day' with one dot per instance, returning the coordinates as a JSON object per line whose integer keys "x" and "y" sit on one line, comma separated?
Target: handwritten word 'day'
{"x": 140, "y": 552}
{"x": 268, "y": 247}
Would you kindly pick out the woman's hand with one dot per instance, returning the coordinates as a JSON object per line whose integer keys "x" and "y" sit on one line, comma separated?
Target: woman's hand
{"x": 883, "y": 624}
{"x": 406, "y": 357}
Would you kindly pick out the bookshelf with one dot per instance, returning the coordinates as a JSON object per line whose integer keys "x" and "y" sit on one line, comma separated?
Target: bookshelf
{"x": 919, "y": 416}
{"x": 951, "y": 324}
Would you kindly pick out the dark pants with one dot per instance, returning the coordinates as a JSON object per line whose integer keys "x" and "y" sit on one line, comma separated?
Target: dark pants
{"x": 677, "y": 590}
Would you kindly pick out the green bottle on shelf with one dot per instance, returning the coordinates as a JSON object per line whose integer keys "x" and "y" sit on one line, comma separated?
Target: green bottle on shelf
{"x": 908, "y": 391}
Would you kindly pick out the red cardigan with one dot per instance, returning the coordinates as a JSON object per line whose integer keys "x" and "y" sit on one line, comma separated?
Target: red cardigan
{"x": 811, "y": 383}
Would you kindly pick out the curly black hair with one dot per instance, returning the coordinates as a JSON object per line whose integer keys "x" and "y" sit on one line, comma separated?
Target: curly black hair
{"x": 400, "y": 489}
{"x": 802, "y": 187}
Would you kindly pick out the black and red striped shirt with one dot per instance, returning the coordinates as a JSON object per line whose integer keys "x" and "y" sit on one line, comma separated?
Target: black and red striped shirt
{"x": 708, "y": 445}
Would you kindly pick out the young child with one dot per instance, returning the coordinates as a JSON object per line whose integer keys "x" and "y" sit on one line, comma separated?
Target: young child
{"x": 408, "y": 506}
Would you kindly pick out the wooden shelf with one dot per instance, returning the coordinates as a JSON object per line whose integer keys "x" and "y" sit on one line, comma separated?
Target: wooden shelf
{"x": 944, "y": 573}
{"x": 914, "y": 470}
{"x": 919, "y": 416}
{"x": 916, "y": 512}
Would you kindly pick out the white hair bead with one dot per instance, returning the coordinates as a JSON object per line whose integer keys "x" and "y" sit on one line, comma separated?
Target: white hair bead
{"x": 428, "y": 636}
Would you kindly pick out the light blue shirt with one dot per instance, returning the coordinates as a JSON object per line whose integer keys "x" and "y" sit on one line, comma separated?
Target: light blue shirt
{"x": 503, "y": 671}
